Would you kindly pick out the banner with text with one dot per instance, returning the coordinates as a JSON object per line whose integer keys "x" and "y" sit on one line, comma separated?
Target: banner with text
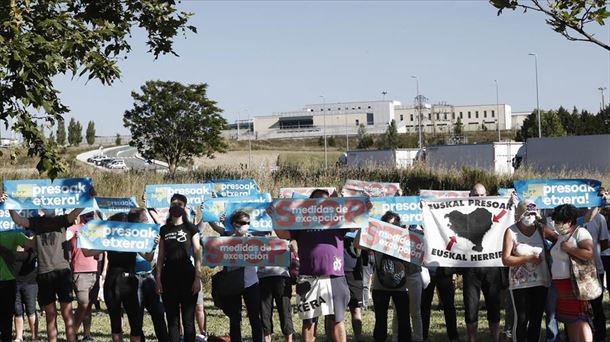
{"x": 213, "y": 208}
{"x": 112, "y": 205}
{"x": 549, "y": 193}
{"x": 159, "y": 195}
{"x": 353, "y": 188}
{"x": 306, "y": 192}
{"x": 407, "y": 207}
{"x": 44, "y": 193}
{"x": 505, "y": 192}
{"x": 466, "y": 232}
{"x": 395, "y": 241}
{"x": 260, "y": 221}
{"x": 245, "y": 251}
{"x": 118, "y": 236}
{"x": 6, "y": 222}
{"x": 234, "y": 188}
{"x": 320, "y": 213}
{"x": 435, "y": 194}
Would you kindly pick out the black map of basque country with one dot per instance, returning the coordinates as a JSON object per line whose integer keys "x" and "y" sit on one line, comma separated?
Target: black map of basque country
{"x": 472, "y": 226}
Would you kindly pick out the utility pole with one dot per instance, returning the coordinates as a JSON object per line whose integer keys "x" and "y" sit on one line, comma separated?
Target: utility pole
{"x": 537, "y": 93}
{"x": 602, "y": 90}
{"x": 325, "y": 144}
{"x": 498, "y": 111}
{"x": 419, "y": 118}
{"x": 249, "y": 142}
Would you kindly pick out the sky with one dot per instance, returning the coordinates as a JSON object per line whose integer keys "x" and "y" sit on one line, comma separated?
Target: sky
{"x": 262, "y": 57}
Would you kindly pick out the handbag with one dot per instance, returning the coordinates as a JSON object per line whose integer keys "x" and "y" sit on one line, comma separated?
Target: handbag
{"x": 227, "y": 283}
{"x": 583, "y": 274}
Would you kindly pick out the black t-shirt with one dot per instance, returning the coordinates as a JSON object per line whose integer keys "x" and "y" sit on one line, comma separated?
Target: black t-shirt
{"x": 177, "y": 243}
{"x": 119, "y": 262}
{"x": 25, "y": 266}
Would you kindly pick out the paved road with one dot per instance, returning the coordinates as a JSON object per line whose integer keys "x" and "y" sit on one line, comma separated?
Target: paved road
{"x": 128, "y": 154}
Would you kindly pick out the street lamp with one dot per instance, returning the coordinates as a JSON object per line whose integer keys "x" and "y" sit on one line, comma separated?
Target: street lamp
{"x": 498, "y": 110}
{"x": 249, "y": 142}
{"x": 602, "y": 89}
{"x": 325, "y": 145}
{"x": 419, "y": 143}
{"x": 537, "y": 94}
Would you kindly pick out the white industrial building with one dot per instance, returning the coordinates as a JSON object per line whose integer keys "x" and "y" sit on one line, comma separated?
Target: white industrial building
{"x": 345, "y": 118}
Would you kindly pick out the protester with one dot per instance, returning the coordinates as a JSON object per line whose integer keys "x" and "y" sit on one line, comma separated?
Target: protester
{"x": 8, "y": 244}
{"x": 86, "y": 279}
{"x": 54, "y": 274}
{"x": 574, "y": 242}
{"x": 251, "y": 293}
{"x": 485, "y": 279}
{"x": 353, "y": 275}
{"x": 25, "y": 271}
{"x": 523, "y": 252}
{"x": 147, "y": 295}
{"x": 178, "y": 279}
{"x": 390, "y": 282}
{"x": 121, "y": 290}
{"x": 321, "y": 259}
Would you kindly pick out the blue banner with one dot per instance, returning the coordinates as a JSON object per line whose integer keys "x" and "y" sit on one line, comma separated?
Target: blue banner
{"x": 118, "y": 236}
{"x": 505, "y": 192}
{"x": 159, "y": 195}
{"x": 213, "y": 208}
{"x": 112, "y": 205}
{"x": 549, "y": 193}
{"x": 260, "y": 221}
{"x": 407, "y": 207}
{"x": 320, "y": 213}
{"x": 234, "y": 188}
{"x": 6, "y": 222}
{"x": 47, "y": 194}
{"x": 245, "y": 251}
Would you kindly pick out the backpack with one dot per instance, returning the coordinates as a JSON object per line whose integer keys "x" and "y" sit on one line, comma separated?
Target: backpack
{"x": 391, "y": 272}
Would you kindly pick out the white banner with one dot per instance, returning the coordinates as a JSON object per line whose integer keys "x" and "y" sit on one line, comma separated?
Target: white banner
{"x": 466, "y": 232}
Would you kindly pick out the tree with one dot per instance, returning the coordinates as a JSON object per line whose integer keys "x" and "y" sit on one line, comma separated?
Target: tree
{"x": 40, "y": 40}
{"x": 174, "y": 122}
{"x": 570, "y": 18}
{"x": 390, "y": 137}
{"x": 550, "y": 124}
{"x": 75, "y": 132}
{"x": 90, "y": 133}
{"x": 365, "y": 141}
{"x": 61, "y": 133}
{"x": 118, "y": 140}
{"x": 458, "y": 128}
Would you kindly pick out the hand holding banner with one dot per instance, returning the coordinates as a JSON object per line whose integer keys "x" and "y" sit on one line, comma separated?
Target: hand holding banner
{"x": 159, "y": 195}
{"x": 320, "y": 213}
{"x": 113, "y": 205}
{"x": 260, "y": 221}
{"x": 549, "y": 193}
{"x": 395, "y": 241}
{"x": 46, "y": 194}
{"x": 213, "y": 208}
{"x": 370, "y": 189}
{"x": 407, "y": 207}
{"x": 118, "y": 236}
{"x": 245, "y": 251}
{"x": 234, "y": 188}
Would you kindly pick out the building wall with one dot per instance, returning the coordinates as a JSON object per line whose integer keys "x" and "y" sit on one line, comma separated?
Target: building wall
{"x": 518, "y": 119}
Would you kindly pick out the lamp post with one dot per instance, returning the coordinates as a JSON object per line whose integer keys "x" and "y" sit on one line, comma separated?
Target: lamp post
{"x": 325, "y": 145}
{"x": 498, "y": 110}
{"x": 537, "y": 95}
{"x": 249, "y": 142}
{"x": 601, "y": 90}
{"x": 418, "y": 99}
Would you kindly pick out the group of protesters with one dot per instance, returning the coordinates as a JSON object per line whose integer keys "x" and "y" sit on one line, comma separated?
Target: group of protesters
{"x": 43, "y": 264}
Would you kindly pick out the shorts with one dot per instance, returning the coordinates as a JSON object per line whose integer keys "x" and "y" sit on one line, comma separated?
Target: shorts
{"x": 53, "y": 286}
{"x": 26, "y": 296}
{"x": 356, "y": 290}
{"x": 86, "y": 287}
{"x": 340, "y": 299}
{"x": 482, "y": 279}
{"x": 570, "y": 309}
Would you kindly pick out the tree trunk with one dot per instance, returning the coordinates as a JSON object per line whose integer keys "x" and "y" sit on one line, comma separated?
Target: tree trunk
{"x": 172, "y": 168}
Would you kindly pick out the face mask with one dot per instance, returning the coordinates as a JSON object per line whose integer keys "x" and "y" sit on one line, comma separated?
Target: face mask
{"x": 176, "y": 211}
{"x": 563, "y": 229}
{"x": 528, "y": 220}
{"x": 243, "y": 230}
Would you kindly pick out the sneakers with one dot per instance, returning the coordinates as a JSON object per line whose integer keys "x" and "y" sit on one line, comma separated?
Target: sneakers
{"x": 201, "y": 338}
{"x": 87, "y": 339}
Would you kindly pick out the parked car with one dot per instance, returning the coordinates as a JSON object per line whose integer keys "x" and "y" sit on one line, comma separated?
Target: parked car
{"x": 117, "y": 164}
{"x": 104, "y": 162}
{"x": 96, "y": 158}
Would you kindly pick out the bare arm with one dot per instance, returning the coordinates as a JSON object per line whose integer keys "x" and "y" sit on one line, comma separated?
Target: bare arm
{"x": 154, "y": 215}
{"x": 582, "y": 251}
{"x": 549, "y": 234}
{"x": 91, "y": 252}
{"x": 512, "y": 260}
{"x": 73, "y": 215}
{"x": 160, "y": 259}
{"x": 19, "y": 220}
{"x": 217, "y": 227}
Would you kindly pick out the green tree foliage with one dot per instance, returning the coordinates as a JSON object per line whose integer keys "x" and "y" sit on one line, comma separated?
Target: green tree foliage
{"x": 330, "y": 141}
{"x": 175, "y": 122}
{"x": 40, "y": 40}
{"x": 574, "y": 19}
{"x": 365, "y": 141}
{"x": 458, "y": 128}
{"x": 390, "y": 139}
{"x": 550, "y": 124}
{"x": 90, "y": 135}
{"x": 61, "y": 133}
{"x": 75, "y": 132}
{"x": 118, "y": 141}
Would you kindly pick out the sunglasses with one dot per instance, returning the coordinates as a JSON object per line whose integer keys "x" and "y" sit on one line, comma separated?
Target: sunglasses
{"x": 242, "y": 223}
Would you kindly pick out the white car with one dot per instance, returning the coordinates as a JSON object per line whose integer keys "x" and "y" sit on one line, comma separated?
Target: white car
{"x": 117, "y": 164}
{"x": 96, "y": 158}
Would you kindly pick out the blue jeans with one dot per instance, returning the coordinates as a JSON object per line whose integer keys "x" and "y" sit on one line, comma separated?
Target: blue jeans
{"x": 552, "y": 326}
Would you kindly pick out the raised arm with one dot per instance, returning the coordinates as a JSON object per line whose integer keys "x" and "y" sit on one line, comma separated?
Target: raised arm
{"x": 19, "y": 220}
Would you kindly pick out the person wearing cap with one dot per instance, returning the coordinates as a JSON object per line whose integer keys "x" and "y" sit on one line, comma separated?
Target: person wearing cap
{"x": 529, "y": 276}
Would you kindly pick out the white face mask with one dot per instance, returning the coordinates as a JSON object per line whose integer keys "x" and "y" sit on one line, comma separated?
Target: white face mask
{"x": 563, "y": 229}
{"x": 528, "y": 220}
{"x": 243, "y": 230}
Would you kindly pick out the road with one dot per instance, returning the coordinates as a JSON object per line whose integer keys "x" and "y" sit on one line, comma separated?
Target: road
{"x": 128, "y": 154}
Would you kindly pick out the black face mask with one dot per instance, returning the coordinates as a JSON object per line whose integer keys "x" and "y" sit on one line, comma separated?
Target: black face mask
{"x": 176, "y": 211}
